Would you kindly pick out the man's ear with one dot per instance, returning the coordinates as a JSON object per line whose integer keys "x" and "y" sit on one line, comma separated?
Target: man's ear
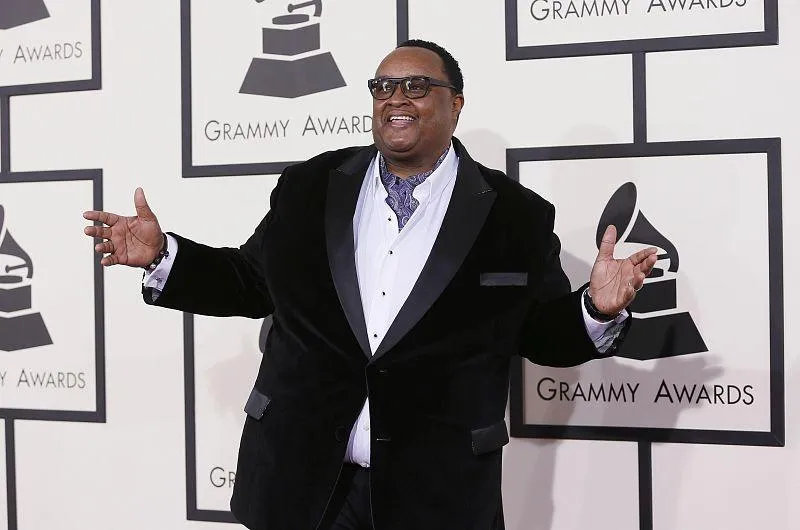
{"x": 458, "y": 104}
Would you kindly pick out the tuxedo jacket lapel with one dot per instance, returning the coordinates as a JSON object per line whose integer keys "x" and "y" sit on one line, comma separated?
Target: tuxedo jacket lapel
{"x": 469, "y": 205}
{"x": 344, "y": 185}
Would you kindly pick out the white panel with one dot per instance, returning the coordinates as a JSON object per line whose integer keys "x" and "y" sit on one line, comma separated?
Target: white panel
{"x": 49, "y": 41}
{"x": 737, "y": 488}
{"x": 727, "y": 93}
{"x": 525, "y": 103}
{"x": 543, "y": 22}
{"x": 709, "y": 207}
{"x": 265, "y": 118}
{"x": 226, "y": 363}
{"x": 47, "y": 337}
{"x": 560, "y": 485}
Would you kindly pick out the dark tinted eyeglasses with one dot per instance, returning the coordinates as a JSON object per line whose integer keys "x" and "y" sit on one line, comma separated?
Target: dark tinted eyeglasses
{"x": 414, "y": 87}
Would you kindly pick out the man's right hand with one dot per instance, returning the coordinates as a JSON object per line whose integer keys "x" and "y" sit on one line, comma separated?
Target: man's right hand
{"x": 133, "y": 241}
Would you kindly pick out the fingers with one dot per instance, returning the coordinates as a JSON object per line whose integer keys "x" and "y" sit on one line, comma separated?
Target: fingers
{"x": 104, "y": 248}
{"x": 646, "y": 267}
{"x": 142, "y": 208}
{"x": 106, "y": 218}
{"x": 640, "y": 272}
{"x": 637, "y": 281}
{"x": 109, "y": 260}
{"x": 103, "y": 232}
{"x": 642, "y": 255}
{"x": 607, "y": 244}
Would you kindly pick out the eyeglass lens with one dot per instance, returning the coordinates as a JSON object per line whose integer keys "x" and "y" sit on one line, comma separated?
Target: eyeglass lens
{"x": 412, "y": 87}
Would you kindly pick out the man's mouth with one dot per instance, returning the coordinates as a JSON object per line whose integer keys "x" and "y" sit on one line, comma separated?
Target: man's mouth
{"x": 400, "y": 119}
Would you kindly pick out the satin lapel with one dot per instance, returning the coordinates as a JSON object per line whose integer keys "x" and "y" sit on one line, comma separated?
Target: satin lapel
{"x": 344, "y": 185}
{"x": 469, "y": 205}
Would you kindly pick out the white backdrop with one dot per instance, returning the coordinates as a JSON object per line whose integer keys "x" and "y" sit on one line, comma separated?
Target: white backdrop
{"x": 128, "y": 469}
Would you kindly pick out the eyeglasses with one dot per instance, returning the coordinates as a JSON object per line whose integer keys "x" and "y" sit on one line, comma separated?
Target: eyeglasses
{"x": 414, "y": 87}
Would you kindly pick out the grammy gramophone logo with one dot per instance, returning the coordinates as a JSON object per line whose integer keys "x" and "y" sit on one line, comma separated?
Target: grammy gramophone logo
{"x": 294, "y": 64}
{"x": 20, "y": 327}
{"x": 659, "y": 329}
{"x": 15, "y": 13}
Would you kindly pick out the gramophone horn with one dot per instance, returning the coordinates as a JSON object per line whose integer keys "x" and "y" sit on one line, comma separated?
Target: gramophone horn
{"x": 316, "y": 3}
{"x": 621, "y": 211}
{"x": 9, "y": 247}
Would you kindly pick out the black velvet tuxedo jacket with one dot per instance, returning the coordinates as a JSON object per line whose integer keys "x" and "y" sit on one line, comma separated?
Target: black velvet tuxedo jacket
{"x": 492, "y": 288}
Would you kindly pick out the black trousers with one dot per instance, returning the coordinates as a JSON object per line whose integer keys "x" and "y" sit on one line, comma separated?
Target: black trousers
{"x": 350, "y": 507}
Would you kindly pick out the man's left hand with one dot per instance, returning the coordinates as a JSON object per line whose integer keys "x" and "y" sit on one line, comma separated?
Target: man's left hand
{"x": 614, "y": 282}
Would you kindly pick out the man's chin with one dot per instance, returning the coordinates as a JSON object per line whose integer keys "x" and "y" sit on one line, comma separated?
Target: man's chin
{"x": 398, "y": 147}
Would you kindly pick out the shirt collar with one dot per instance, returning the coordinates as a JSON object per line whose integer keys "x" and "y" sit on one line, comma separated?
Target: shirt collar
{"x": 388, "y": 178}
{"x": 432, "y": 185}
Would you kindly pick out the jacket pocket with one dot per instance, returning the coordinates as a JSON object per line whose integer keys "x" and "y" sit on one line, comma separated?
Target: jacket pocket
{"x": 503, "y": 279}
{"x": 256, "y": 404}
{"x": 488, "y": 439}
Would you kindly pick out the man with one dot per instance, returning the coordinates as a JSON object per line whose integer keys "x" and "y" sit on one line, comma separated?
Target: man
{"x": 402, "y": 277}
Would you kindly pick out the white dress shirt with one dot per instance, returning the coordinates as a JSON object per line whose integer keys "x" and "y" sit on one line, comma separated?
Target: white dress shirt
{"x": 380, "y": 250}
{"x": 389, "y": 262}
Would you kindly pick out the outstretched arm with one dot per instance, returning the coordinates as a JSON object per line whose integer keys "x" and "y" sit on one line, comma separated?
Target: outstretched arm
{"x": 558, "y": 331}
{"x": 202, "y": 279}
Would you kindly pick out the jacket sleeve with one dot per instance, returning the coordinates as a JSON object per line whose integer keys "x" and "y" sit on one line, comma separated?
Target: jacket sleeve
{"x": 220, "y": 281}
{"x": 554, "y": 331}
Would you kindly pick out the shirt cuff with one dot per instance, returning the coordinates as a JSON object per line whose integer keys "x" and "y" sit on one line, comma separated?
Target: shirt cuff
{"x": 603, "y": 334}
{"x": 157, "y": 278}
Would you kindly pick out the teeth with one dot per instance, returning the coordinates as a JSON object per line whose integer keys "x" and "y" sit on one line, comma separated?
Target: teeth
{"x": 404, "y": 118}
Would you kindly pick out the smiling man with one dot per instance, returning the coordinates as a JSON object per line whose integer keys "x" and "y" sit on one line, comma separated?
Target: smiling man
{"x": 402, "y": 278}
{"x": 415, "y": 107}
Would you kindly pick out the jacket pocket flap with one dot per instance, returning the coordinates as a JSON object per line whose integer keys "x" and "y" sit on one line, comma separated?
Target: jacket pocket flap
{"x": 500, "y": 279}
{"x": 488, "y": 439}
{"x": 256, "y": 404}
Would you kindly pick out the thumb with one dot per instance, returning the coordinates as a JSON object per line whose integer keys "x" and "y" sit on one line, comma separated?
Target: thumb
{"x": 142, "y": 208}
{"x": 607, "y": 244}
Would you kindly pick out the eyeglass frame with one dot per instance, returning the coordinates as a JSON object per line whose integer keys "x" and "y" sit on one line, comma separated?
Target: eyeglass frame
{"x": 397, "y": 81}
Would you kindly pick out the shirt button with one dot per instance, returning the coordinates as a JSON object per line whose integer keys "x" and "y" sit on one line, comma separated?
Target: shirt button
{"x": 366, "y": 427}
{"x": 391, "y": 252}
{"x": 375, "y": 335}
{"x": 383, "y": 293}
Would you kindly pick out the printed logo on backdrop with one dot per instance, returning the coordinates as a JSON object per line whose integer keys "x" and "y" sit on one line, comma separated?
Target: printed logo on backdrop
{"x": 20, "y": 327}
{"x": 660, "y": 330}
{"x": 562, "y": 28}
{"x": 51, "y": 300}
{"x": 286, "y": 83}
{"x": 15, "y": 13}
{"x": 293, "y": 64}
{"x": 703, "y": 359}
{"x": 48, "y": 46}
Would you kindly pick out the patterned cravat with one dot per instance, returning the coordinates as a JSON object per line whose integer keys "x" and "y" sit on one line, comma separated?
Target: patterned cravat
{"x": 401, "y": 191}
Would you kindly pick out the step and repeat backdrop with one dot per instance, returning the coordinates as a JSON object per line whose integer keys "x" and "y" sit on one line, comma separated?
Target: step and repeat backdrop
{"x": 675, "y": 120}
{"x": 52, "y": 345}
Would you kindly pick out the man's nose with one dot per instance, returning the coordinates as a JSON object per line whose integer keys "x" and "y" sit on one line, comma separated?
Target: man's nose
{"x": 398, "y": 97}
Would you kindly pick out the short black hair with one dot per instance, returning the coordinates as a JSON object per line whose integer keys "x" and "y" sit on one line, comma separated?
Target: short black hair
{"x": 451, "y": 67}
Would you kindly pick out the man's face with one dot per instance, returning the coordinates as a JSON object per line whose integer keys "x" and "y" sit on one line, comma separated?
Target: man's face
{"x": 427, "y": 123}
